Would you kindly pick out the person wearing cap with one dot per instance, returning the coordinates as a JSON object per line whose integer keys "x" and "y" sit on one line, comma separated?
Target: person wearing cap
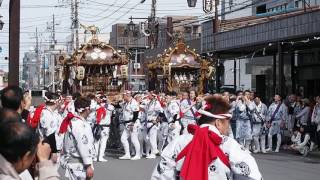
{"x": 78, "y": 144}
{"x": 153, "y": 112}
{"x": 103, "y": 121}
{"x": 276, "y": 118}
{"x": 206, "y": 152}
{"x": 130, "y": 113}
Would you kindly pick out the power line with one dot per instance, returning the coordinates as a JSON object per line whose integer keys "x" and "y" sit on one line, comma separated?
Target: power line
{"x": 112, "y": 13}
{"x": 104, "y": 27}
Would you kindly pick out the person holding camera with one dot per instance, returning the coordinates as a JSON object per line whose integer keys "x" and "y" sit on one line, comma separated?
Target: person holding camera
{"x": 243, "y": 111}
{"x": 19, "y": 147}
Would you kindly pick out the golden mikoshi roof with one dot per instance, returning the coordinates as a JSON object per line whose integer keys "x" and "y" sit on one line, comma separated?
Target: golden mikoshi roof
{"x": 96, "y": 52}
{"x": 181, "y": 56}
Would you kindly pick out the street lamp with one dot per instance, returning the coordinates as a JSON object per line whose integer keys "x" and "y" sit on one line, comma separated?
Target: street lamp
{"x": 192, "y": 3}
{"x": 131, "y": 26}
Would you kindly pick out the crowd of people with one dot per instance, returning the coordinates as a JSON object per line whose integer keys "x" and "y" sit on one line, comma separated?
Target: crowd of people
{"x": 72, "y": 132}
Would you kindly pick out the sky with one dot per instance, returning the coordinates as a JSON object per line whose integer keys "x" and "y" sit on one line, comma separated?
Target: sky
{"x": 102, "y": 13}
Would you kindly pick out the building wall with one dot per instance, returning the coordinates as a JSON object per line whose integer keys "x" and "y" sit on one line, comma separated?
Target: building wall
{"x": 121, "y": 38}
{"x": 270, "y": 7}
{"x": 230, "y": 9}
{"x": 243, "y": 80}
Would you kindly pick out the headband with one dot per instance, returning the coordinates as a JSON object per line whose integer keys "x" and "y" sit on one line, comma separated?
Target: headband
{"x": 209, "y": 114}
{"x": 50, "y": 100}
{"x": 217, "y": 116}
{"x": 82, "y": 109}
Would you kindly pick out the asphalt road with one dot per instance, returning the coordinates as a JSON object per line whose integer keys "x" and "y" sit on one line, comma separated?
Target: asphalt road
{"x": 273, "y": 166}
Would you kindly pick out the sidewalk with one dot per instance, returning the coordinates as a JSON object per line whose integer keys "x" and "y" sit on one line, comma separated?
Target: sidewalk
{"x": 312, "y": 155}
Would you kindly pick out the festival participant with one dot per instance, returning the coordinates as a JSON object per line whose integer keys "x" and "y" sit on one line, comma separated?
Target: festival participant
{"x": 304, "y": 115}
{"x": 302, "y": 142}
{"x": 277, "y": 115}
{"x": 315, "y": 119}
{"x": 78, "y": 145}
{"x": 142, "y": 101}
{"x": 50, "y": 121}
{"x": 243, "y": 111}
{"x": 68, "y": 106}
{"x": 259, "y": 128}
{"x": 207, "y": 152}
{"x": 153, "y": 112}
{"x": 93, "y": 107}
{"x": 193, "y": 96}
{"x": 130, "y": 113}
{"x": 187, "y": 112}
{"x": 102, "y": 126}
{"x": 163, "y": 129}
{"x": 291, "y": 106}
{"x": 172, "y": 112}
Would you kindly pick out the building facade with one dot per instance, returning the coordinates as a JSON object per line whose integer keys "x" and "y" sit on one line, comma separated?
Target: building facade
{"x": 280, "y": 48}
{"x": 135, "y": 43}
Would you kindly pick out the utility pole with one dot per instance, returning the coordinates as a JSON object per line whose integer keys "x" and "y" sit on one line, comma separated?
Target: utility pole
{"x": 152, "y": 25}
{"x": 52, "y": 56}
{"x": 14, "y": 41}
{"x": 72, "y": 25}
{"x": 76, "y": 23}
{"x": 38, "y": 58}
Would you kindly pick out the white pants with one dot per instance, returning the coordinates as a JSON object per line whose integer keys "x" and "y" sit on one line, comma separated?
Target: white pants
{"x": 100, "y": 145}
{"x": 142, "y": 138}
{"x": 278, "y": 141}
{"x": 162, "y": 135}
{"x": 133, "y": 134}
{"x": 151, "y": 139}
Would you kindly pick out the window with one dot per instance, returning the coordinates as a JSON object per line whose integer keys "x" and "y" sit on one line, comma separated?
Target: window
{"x": 261, "y": 9}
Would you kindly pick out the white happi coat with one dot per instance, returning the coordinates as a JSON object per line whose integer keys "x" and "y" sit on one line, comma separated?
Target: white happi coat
{"x": 174, "y": 126}
{"x": 93, "y": 115}
{"x": 49, "y": 122}
{"x": 127, "y": 112}
{"x": 261, "y": 111}
{"x": 242, "y": 112}
{"x": 153, "y": 110}
{"x": 189, "y": 116}
{"x": 243, "y": 165}
{"x": 70, "y": 108}
{"x": 78, "y": 149}
{"x": 280, "y": 116}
